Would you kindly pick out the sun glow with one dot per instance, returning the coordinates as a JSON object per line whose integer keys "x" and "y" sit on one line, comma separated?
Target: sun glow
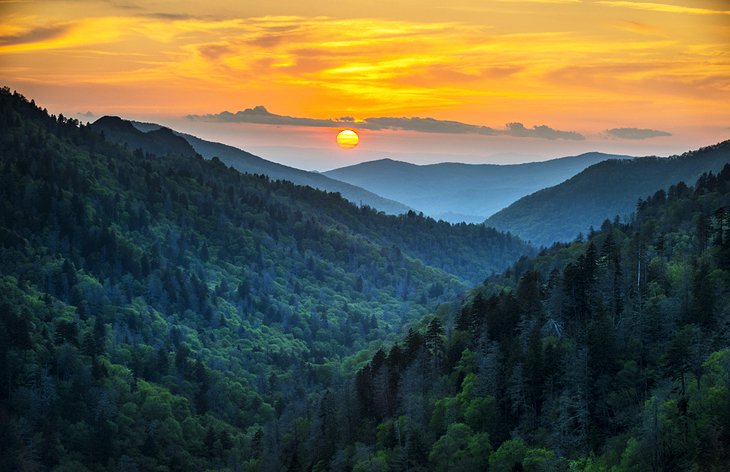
{"x": 569, "y": 64}
{"x": 347, "y": 139}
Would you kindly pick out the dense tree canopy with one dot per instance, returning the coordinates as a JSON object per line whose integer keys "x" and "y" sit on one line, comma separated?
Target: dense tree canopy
{"x": 190, "y": 312}
{"x": 608, "y": 353}
{"x": 169, "y": 313}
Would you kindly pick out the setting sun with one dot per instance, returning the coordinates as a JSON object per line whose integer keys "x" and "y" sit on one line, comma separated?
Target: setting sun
{"x": 347, "y": 139}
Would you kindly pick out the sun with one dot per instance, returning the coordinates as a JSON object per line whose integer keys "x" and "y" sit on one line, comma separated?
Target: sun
{"x": 347, "y": 139}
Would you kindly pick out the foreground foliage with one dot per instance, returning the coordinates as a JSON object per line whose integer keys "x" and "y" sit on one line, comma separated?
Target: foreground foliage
{"x": 609, "y": 353}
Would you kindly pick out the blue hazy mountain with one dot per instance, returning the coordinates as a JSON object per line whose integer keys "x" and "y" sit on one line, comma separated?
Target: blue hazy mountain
{"x": 602, "y": 191}
{"x": 462, "y": 192}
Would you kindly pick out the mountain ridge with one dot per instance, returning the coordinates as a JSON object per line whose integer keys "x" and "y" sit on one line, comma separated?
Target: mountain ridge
{"x": 160, "y": 310}
{"x": 577, "y": 359}
{"x": 161, "y": 141}
{"x": 602, "y": 191}
{"x": 245, "y": 161}
{"x": 462, "y": 192}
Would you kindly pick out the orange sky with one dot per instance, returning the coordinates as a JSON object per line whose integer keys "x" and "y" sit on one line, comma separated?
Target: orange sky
{"x": 574, "y": 65}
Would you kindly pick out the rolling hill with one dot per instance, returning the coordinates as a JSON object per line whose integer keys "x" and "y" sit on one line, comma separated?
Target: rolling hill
{"x": 462, "y": 192}
{"x": 602, "y": 191}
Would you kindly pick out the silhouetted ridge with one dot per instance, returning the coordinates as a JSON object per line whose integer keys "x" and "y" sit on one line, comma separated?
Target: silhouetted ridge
{"x": 160, "y": 142}
{"x": 246, "y": 162}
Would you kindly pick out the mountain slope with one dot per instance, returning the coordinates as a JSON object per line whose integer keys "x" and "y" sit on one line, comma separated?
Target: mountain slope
{"x": 246, "y": 162}
{"x": 602, "y": 191}
{"x": 462, "y": 192}
{"x": 160, "y": 141}
{"x": 168, "y": 311}
{"x": 611, "y": 353}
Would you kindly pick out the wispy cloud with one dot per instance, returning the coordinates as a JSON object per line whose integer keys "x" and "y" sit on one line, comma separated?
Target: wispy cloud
{"x": 25, "y": 35}
{"x": 33, "y": 35}
{"x": 460, "y": 64}
{"x": 636, "y": 133}
{"x": 664, "y": 7}
{"x": 541, "y": 1}
{"x": 260, "y": 115}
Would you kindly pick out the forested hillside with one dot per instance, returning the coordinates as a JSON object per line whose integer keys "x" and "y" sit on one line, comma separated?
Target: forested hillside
{"x": 166, "y": 312}
{"x": 610, "y": 353}
{"x": 160, "y": 141}
{"x": 602, "y": 191}
{"x": 147, "y": 136}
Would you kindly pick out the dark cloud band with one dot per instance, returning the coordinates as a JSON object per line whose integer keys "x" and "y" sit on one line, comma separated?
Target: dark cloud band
{"x": 260, "y": 115}
{"x": 636, "y": 133}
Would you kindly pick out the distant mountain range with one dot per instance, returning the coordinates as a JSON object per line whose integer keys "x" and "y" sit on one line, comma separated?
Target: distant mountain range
{"x": 533, "y": 201}
{"x": 157, "y": 139}
{"x": 602, "y": 191}
{"x": 462, "y": 192}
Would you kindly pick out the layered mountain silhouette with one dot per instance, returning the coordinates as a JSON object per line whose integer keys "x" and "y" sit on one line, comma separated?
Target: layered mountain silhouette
{"x": 160, "y": 141}
{"x": 458, "y": 192}
{"x": 161, "y": 311}
{"x": 156, "y": 139}
{"x": 602, "y": 191}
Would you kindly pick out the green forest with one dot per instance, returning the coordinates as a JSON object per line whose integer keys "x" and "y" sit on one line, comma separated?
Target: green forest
{"x": 611, "y": 353}
{"x": 224, "y": 302}
{"x": 165, "y": 312}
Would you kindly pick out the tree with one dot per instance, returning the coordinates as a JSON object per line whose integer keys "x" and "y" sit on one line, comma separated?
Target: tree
{"x": 682, "y": 354}
{"x": 460, "y": 449}
{"x": 434, "y": 343}
{"x": 509, "y": 456}
{"x": 703, "y": 299}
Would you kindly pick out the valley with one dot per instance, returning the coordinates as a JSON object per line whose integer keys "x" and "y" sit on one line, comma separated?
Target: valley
{"x": 162, "y": 310}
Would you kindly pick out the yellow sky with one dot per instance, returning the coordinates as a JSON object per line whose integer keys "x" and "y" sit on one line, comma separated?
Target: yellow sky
{"x": 579, "y": 65}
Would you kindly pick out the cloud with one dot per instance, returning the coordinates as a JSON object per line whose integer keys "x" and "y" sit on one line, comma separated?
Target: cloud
{"x": 34, "y": 35}
{"x": 214, "y": 51}
{"x": 636, "y": 133}
{"x": 87, "y": 114}
{"x": 169, "y": 16}
{"x": 381, "y": 68}
{"x": 260, "y": 115}
{"x": 430, "y": 125}
{"x": 540, "y": 1}
{"x": 518, "y": 130}
{"x": 425, "y": 125}
{"x": 664, "y": 8}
